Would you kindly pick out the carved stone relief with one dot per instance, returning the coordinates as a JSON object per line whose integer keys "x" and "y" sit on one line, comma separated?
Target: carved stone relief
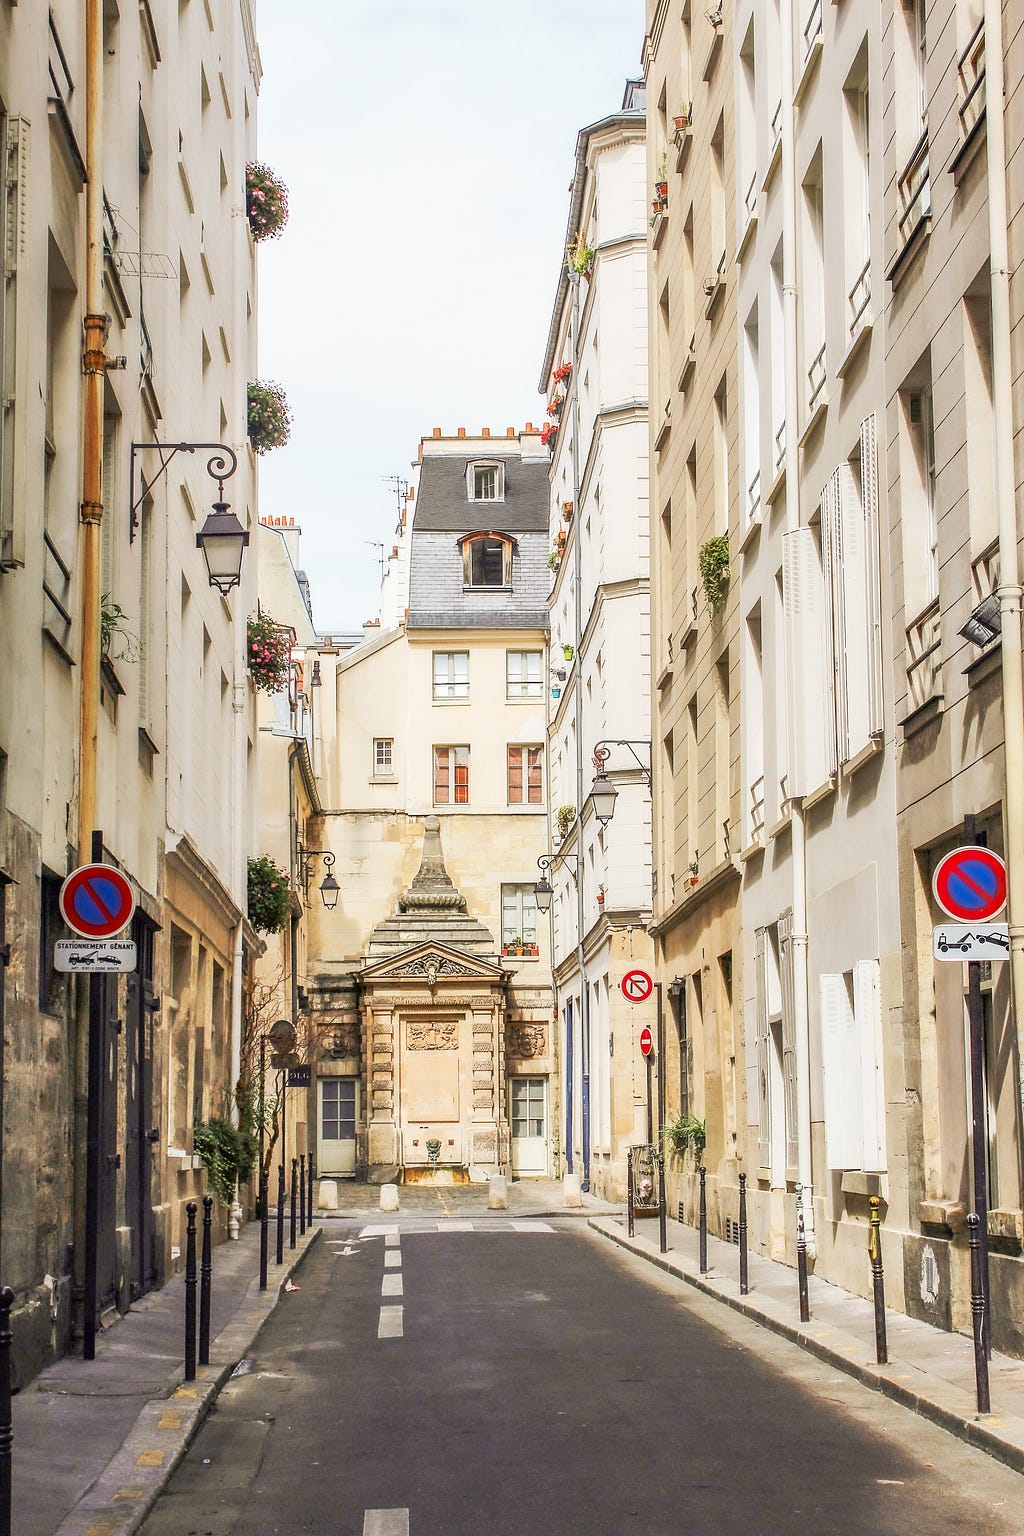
{"x": 526, "y": 1041}
{"x": 432, "y": 1035}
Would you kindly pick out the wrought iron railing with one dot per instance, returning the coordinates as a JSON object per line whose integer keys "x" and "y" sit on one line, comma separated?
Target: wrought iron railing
{"x": 860, "y": 297}
{"x": 924, "y": 656}
{"x": 915, "y": 190}
{"x": 970, "y": 67}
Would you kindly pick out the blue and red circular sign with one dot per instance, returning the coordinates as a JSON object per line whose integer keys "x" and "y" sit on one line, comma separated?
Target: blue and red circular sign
{"x": 970, "y": 884}
{"x": 96, "y": 901}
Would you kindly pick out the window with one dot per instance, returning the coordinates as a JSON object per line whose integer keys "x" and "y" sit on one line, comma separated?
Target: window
{"x": 857, "y": 194}
{"x": 851, "y": 1058}
{"x": 338, "y": 1108}
{"x": 53, "y": 988}
{"x": 528, "y": 1107}
{"x": 518, "y": 918}
{"x": 451, "y": 674}
{"x": 488, "y": 561}
{"x": 525, "y": 772}
{"x": 451, "y": 775}
{"x": 813, "y": 285}
{"x": 524, "y": 674}
{"x": 383, "y": 756}
{"x": 486, "y": 482}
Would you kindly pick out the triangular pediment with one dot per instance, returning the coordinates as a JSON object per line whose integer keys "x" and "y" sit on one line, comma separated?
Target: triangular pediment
{"x": 432, "y": 963}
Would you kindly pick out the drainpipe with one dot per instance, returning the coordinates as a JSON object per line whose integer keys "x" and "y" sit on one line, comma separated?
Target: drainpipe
{"x": 1009, "y": 589}
{"x": 577, "y": 567}
{"x": 93, "y": 369}
{"x": 790, "y": 291}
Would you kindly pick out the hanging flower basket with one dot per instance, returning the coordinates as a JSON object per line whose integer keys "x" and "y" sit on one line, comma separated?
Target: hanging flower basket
{"x": 555, "y": 407}
{"x": 269, "y": 896}
{"x": 269, "y": 654}
{"x": 713, "y": 560}
{"x": 561, "y": 374}
{"x": 270, "y": 420}
{"x": 266, "y": 201}
{"x": 548, "y": 433}
{"x": 580, "y": 255}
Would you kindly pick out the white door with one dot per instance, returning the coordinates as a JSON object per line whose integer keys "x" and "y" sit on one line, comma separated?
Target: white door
{"x": 338, "y": 1101}
{"x": 529, "y": 1126}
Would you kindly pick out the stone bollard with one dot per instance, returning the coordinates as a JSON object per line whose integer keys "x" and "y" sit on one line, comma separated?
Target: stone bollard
{"x": 497, "y": 1193}
{"x": 327, "y": 1197}
{"x": 389, "y": 1197}
{"x": 572, "y": 1195}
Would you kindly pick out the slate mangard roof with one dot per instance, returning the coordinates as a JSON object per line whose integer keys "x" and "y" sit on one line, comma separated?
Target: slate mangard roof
{"x": 438, "y": 595}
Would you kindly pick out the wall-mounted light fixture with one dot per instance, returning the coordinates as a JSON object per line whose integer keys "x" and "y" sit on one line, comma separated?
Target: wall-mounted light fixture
{"x": 985, "y": 622}
{"x": 543, "y": 890}
{"x": 603, "y": 792}
{"x": 222, "y": 538}
{"x": 330, "y": 890}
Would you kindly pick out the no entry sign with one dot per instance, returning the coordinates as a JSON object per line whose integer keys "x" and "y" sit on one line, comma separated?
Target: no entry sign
{"x": 970, "y": 884}
{"x": 636, "y": 986}
{"x": 96, "y": 901}
{"x": 646, "y": 1041}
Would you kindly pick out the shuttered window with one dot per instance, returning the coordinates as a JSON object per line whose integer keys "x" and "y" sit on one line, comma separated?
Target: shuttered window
{"x": 763, "y": 1085}
{"x": 451, "y": 674}
{"x": 451, "y": 775}
{"x": 789, "y": 1059}
{"x": 851, "y": 1055}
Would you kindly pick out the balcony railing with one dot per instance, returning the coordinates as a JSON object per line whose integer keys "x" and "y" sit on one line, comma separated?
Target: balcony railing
{"x": 750, "y": 201}
{"x": 816, "y": 378}
{"x": 860, "y": 298}
{"x": 757, "y": 810}
{"x": 812, "y": 31}
{"x": 777, "y": 124}
{"x": 915, "y": 190}
{"x": 57, "y": 592}
{"x": 971, "y": 69}
{"x": 780, "y": 446}
{"x": 754, "y": 497}
{"x": 924, "y": 657}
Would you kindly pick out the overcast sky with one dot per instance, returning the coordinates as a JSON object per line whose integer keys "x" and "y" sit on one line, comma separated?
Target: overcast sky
{"x": 428, "y": 147}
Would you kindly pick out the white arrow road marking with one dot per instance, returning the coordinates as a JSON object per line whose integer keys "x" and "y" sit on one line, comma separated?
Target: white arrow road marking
{"x": 391, "y": 1323}
{"x": 386, "y": 1522}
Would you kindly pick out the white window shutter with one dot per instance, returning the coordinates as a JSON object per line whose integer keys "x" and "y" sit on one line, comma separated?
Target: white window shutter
{"x": 867, "y": 1002}
{"x": 802, "y": 592}
{"x": 761, "y": 1051}
{"x": 834, "y": 664}
{"x": 787, "y": 979}
{"x": 840, "y": 1062}
{"x": 855, "y": 632}
{"x": 873, "y": 574}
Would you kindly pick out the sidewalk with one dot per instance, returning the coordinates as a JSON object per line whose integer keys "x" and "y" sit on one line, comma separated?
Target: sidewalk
{"x": 95, "y": 1441}
{"x": 929, "y": 1370}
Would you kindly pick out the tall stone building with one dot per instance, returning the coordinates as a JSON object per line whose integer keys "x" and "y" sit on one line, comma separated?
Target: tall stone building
{"x": 178, "y": 92}
{"x": 429, "y": 988}
{"x": 595, "y": 377}
{"x": 696, "y": 528}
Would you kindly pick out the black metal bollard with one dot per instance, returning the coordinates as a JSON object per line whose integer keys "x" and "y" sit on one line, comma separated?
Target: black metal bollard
{"x": 302, "y": 1194}
{"x": 801, "y": 1257}
{"x": 309, "y": 1207}
{"x": 629, "y": 1192}
{"x": 264, "y": 1228}
{"x": 190, "y": 1291}
{"x": 663, "y": 1234}
{"x": 744, "y": 1286}
{"x": 978, "y": 1313}
{"x": 292, "y": 1213}
{"x": 702, "y": 1236}
{"x": 878, "y": 1281}
{"x": 6, "y": 1430}
{"x": 280, "y": 1213}
{"x": 206, "y": 1281}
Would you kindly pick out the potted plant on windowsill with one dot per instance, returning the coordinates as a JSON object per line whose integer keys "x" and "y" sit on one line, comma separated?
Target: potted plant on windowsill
{"x": 713, "y": 560}
{"x": 565, "y": 816}
{"x": 567, "y": 510}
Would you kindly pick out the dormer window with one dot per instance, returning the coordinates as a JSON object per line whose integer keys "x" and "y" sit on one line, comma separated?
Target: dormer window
{"x": 486, "y": 482}
{"x": 487, "y": 560}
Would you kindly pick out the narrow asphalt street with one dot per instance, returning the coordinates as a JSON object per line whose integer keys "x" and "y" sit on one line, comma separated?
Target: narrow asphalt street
{"x": 499, "y": 1377}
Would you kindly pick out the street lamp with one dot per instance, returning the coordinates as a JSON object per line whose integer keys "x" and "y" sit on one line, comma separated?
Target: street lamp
{"x": 603, "y": 792}
{"x": 985, "y": 622}
{"x": 543, "y": 890}
{"x": 330, "y": 890}
{"x": 222, "y": 538}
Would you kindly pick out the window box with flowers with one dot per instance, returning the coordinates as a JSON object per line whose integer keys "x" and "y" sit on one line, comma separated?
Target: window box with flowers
{"x": 269, "y": 419}
{"x": 561, "y": 375}
{"x": 266, "y": 201}
{"x": 555, "y": 406}
{"x": 269, "y": 895}
{"x": 548, "y": 435}
{"x": 567, "y": 511}
{"x": 269, "y": 654}
{"x": 565, "y": 816}
{"x": 580, "y": 256}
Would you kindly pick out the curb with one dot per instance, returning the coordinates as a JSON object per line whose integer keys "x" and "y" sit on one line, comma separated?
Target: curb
{"x": 124, "y": 1493}
{"x": 945, "y": 1405}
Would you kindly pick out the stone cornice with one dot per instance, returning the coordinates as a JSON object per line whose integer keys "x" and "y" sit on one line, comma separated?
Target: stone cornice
{"x": 194, "y": 867}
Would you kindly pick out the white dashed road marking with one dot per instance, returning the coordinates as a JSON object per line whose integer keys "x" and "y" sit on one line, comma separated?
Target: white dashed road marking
{"x": 386, "y": 1522}
{"x": 391, "y": 1323}
{"x": 392, "y": 1260}
{"x": 391, "y": 1285}
{"x": 392, "y": 1240}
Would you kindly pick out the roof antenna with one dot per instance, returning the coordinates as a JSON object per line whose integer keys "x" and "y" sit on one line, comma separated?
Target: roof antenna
{"x": 401, "y": 489}
{"x": 378, "y": 546}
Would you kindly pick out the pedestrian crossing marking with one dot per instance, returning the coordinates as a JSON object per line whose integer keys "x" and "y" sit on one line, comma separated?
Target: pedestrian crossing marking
{"x": 392, "y": 1240}
{"x": 392, "y": 1260}
{"x": 386, "y": 1522}
{"x": 391, "y": 1285}
{"x": 381, "y": 1229}
{"x": 430, "y": 1228}
{"x": 391, "y": 1325}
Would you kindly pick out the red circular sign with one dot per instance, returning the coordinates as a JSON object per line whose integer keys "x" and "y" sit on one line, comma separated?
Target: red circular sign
{"x": 646, "y": 1041}
{"x": 636, "y": 986}
{"x": 96, "y": 901}
{"x": 970, "y": 884}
